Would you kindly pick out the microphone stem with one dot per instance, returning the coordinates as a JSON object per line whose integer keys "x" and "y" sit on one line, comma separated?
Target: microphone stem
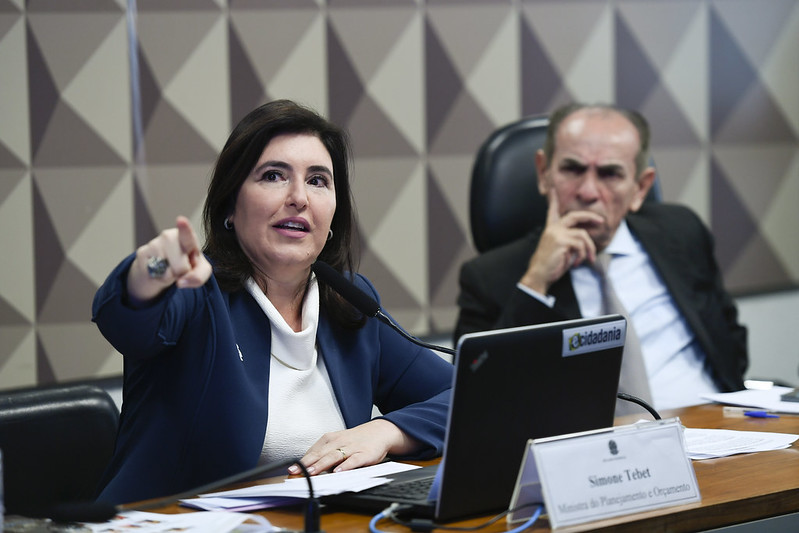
{"x": 312, "y": 506}
{"x": 386, "y": 319}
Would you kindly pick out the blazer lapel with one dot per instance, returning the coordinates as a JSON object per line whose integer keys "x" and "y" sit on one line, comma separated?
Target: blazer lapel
{"x": 253, "y": 339}
{"x": 336, "y": 369}
{"x": 675, "y": 267}
{"x": 253, "y": 333}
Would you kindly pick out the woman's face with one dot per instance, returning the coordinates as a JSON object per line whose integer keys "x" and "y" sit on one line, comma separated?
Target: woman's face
{"x": 285, "y": 206}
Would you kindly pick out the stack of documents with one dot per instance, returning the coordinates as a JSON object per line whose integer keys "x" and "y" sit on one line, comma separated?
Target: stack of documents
{"x": 295, "y": 490}
{"x": 711, "y": 443}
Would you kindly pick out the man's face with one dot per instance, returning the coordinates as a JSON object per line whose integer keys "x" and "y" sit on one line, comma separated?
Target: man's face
{"x": 593, "y": 169}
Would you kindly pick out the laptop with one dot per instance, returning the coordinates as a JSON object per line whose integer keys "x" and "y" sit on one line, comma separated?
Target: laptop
{"x": 509, "y": 386}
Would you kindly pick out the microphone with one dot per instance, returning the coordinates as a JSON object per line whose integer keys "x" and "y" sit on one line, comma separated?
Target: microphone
{"x": 103, "y": 511}
{"x": 365, "y": 303}
{"x": 369, "y": 307}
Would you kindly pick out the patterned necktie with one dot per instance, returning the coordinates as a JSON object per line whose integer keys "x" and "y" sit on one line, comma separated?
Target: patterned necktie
{"x": 633, "y": 379}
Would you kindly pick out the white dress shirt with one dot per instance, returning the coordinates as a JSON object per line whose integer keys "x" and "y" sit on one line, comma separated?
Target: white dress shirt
{"x": 675, "y": 363}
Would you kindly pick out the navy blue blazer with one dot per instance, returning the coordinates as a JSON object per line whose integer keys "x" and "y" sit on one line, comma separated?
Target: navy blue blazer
{"x": 681, "y": 250}
{"x": 196, "y": 366}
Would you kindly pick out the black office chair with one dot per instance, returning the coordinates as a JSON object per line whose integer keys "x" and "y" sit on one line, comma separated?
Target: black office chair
{"x": 504, "y": 202}
{"x": 56, "y": 442}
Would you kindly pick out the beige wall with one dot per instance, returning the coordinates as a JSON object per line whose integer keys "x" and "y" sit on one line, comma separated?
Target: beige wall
{"x": 99, "y": 149}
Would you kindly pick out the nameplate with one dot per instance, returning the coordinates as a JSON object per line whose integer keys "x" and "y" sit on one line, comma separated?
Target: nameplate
{"x": 582, "y": 477}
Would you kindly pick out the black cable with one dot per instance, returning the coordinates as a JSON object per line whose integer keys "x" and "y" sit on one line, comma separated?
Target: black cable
{"x": 639, "y": 401}
{"x": 312, "y": 507}
{"x": 389, "y": 320}
{"x": 429, "y": 525}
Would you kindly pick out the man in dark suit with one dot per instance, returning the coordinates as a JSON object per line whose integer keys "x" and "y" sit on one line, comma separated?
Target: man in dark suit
{"x": 593, "y": 172}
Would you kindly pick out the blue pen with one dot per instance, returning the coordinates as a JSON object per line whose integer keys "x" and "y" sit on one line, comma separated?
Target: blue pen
{"x": 760, "y": 414}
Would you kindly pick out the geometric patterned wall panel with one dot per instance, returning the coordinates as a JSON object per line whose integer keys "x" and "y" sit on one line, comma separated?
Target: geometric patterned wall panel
{"x": 17, "y": 283}
{"x": 754, "y": 130}
{"x": 78, "y": 125}
{"x": 113, "y": 111}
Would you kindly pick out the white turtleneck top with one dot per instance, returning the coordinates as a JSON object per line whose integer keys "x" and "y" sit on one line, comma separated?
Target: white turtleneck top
{"x": 302, "y": 406}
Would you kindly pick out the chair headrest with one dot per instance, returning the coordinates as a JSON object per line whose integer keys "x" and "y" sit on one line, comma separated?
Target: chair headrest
{"x": 504, "y": 200}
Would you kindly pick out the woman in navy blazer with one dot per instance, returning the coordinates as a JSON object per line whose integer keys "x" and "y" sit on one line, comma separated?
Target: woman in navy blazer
{"x": 216, "y": 342}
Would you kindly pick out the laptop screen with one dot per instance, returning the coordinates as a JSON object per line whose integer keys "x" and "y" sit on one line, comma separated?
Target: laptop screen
{"x": 517, "y": 384}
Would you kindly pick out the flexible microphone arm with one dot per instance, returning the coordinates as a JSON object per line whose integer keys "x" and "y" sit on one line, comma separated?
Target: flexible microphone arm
{"x": 365, "y": 303}
{"x": 214, "y": 485}
{"x": 312, "y": 513}
{"x": 386, "y": 319}
{"x": 312, "y": 505}
{"x": 102, "y": 511}
{"x": 369, "y": 307}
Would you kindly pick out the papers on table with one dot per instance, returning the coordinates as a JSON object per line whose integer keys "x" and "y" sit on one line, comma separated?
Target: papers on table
{"x": 296, "y": 489}
{"x": 218, "y": 522}
{"x": 240, "y": 505}
{"x": 710, "y": 443}
{"x": 707, "y": 443}
{"x": 767, "y": 399}
{"x": 224, "y": 520}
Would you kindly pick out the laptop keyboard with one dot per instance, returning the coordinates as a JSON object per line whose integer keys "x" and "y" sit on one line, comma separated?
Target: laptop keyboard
{"x": 416, "y": 489}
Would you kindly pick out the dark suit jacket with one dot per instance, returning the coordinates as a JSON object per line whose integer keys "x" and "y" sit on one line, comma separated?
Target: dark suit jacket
{"x": 197, "y": 376}
{"x": 681, "y": 250}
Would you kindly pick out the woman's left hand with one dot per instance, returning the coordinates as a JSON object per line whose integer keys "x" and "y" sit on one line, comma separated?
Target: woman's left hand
{"x": 362, "y": 445}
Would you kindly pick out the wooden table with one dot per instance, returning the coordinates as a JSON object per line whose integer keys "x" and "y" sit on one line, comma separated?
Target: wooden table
{"x": 735, "y": 489}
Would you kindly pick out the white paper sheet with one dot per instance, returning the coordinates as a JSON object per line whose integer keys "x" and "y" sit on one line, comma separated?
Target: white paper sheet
{"x": 768, "y": 399}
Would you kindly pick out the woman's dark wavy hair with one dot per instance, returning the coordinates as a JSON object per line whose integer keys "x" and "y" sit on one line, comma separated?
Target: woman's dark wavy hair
{"x": 239, "y": 156}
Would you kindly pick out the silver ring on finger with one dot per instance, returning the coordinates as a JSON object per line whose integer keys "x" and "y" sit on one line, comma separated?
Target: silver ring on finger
{"x": 156, "y": 267}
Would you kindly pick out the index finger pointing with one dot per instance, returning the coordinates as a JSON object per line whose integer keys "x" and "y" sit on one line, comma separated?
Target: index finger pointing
{"x": 553, "y": 210}
{"x": 186, "y": 236}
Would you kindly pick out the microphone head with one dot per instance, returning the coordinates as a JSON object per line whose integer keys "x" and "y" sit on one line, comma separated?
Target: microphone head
{"x": 82, "y": 512}
{"x": 347, "y": 289}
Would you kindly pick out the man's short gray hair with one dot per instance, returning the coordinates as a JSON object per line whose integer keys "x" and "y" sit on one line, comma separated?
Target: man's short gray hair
{"x": 637, "y": 119}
